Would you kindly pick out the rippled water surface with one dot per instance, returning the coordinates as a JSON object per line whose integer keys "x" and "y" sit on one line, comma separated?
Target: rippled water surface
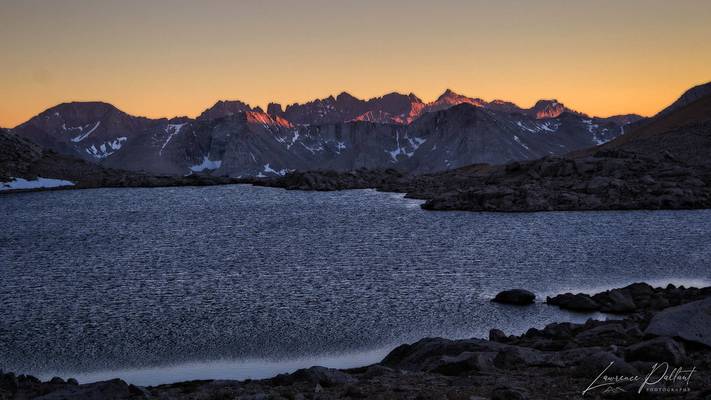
{"x": 158, "y": 285}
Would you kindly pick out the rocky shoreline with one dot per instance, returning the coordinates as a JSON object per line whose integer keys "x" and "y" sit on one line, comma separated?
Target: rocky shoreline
{"x": 121, "y": 179}
{"x": 659, "y": 348}
{"x": 606, "y": 180}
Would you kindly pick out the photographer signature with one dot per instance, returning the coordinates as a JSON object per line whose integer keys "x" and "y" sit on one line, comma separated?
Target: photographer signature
{"x": 660, "y": 374}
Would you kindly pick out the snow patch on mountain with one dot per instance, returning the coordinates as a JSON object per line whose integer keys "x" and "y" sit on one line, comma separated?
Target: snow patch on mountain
{"x": 516, "y": 138}
{"x": 414, "y": 142}
{"x": 288, "y": 141}
{"x": 394, "y": 153}
{"x": 106, "y": 149}
{"x": 293, "y": 139}
{"x": 39, "y": 183}
{"x": 268, "y": 169}
{"x": 398, "y": 149}
{"x": 171, "y": 130}
{"x": 313, "y": 150}
{"x": 524, "y": 127}
{"x": 549, "y": 126}
{"x": 594, "y": 130}
{"x": 538, "y": 127}
{"x": 83, "y": 136}
{"x": 206, "y": 164}
{"x": 340, "y": 146}
{"x": 591, "y": 127}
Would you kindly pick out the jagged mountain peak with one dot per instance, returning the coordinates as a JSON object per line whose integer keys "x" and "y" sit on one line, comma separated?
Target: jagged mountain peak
{"x": 504, "y": 106}
{"x": 414, "y": 98}
{"x": 449, "y": 94}
{"x": 70, "y": 116}
{"x": 78, "y": 110}
{"x": 410, "y": 97}
{"x": 255, "y": 117}
{"x": 549, "y": 108}
{"x": 547, "y": 103}
{"x": 230, "y": 103}
{"x": 315, "y": 102}
{"x": 450, "y": 98}
{"x": 223, "y": 108}
{"x": 180, "y": 120}
{"x": 460, "y": 114}
{"x": 274, "y": 109}
{"x": 375, "y": 116}
{"x": 84, "y": 104}
{"x": 345, "y": 96}
{"x": 259, "y": 117}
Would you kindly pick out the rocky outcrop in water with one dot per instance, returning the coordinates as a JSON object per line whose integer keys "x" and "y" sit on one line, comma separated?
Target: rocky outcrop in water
{"x": 519, "y": 297}
{"x": 560, "y": 361}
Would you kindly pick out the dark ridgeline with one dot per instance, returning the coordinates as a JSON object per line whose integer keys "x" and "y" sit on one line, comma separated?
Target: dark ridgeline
{"x": 459, "y": 153}
{"x": 659, "y": 163}
{"x": 339, "y": 133}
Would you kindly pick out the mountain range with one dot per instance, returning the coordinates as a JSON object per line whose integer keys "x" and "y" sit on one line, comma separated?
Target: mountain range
{"x": 660, "y": 162}
{"x": 337, "y": 133}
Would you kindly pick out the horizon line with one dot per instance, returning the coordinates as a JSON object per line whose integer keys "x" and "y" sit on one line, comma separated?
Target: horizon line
{"x": 284, "y": 105}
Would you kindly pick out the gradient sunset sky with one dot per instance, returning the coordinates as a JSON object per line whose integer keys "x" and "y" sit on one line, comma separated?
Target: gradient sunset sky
{"x": 162, "y": 58}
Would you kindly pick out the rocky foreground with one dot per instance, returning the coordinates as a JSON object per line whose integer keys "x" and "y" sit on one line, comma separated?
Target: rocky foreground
{"x": 660, "y": 348}
{"x": 606, "y": 180}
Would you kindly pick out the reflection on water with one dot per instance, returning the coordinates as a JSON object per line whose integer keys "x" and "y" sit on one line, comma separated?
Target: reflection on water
{"x": 140, "y": 279}
{"x": 224, "y": 369}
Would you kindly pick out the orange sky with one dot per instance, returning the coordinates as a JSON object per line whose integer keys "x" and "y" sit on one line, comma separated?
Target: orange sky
{"x": 177, "y": 57}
